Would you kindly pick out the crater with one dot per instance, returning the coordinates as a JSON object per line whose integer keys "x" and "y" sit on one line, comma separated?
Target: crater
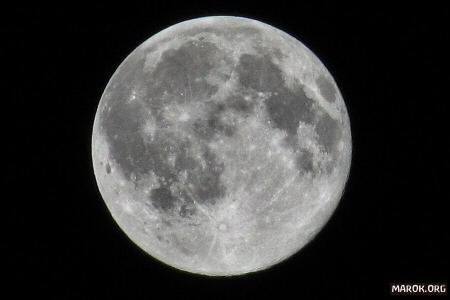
{"x": 326, "y": 88}
{"x": 187, "y": 211}
{"x": 162, "y": 198}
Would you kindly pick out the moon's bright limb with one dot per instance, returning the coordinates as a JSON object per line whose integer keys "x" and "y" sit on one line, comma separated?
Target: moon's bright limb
{"x": 221, "y": 145}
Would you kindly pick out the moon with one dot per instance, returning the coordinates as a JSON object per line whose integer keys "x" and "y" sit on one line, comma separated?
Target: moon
{"x": 221, "y": 146}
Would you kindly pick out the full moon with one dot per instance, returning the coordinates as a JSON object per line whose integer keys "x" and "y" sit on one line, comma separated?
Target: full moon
{"x": 221, "y": 146}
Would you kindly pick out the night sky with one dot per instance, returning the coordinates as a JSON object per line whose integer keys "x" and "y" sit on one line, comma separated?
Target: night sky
{"x": 390, "y": 226}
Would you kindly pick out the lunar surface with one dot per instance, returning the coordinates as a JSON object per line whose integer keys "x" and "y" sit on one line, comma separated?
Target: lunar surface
{"x": 221, "y": 146}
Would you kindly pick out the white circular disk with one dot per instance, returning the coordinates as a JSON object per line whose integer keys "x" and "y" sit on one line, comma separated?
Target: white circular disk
{"x": 221, "y": 145}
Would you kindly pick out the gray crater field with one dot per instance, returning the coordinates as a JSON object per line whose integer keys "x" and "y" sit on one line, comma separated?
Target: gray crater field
{"x": 221, "y": 146}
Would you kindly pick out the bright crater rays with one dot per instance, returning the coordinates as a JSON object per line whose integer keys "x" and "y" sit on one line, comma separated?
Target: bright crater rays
{"x": 221, "y": 146}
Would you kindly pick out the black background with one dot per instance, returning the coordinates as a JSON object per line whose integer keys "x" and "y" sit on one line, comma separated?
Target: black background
{"x": 391, "y": 224}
